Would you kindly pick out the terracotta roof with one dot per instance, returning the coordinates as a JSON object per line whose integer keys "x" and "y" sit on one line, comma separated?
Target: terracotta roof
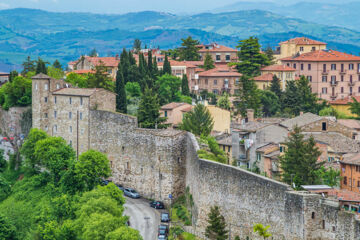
{"x": 269, "y": 146}
{"x": 278, "y": 68}
{"x": 323, "y": 56}
{"x": 268, "y": 77}
{"x": 173, "y": 105}
{"x": 4, "y": 73}
{"x": 345, "y": 101}
{"x": 350, "y": 123}
{"x": 77, "y": 91}
{"x": 178, "y": 63}
{"x": 351, "y": 158}
{"x": 72, "y": 62}
{"x": 218, "y": 71}
{"x": 187, "y": 109}
{"x": 301, "y": 120}
{"x": 340, "y": 194}
{"x": 82, "y": 71}
{"x": 215, "y": 48}
{"x": 107, "y": 61}
{"x": 225, "y": 141}
{"x": 303, "y": 41}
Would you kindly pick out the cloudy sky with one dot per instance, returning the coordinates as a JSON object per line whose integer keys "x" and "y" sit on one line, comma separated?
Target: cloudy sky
{"x": 123, "y": 6}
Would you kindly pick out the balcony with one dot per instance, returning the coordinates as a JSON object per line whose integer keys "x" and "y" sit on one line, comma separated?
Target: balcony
{"x": 333, "y": 83}
{"x": 334, "y": 96}
{"x": 351, "y": 84}
{"x": 343, "y": 71}
{"x": 325, "y": 72}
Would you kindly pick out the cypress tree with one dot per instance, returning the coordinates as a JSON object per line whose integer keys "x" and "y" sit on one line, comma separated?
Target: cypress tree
{"x": 150, "y": 63}
{"x": 41, "y": 67}
{"x": 208, "y": 62}
{"x": 167, "y": 66}
{"x": 125, "y": 65}
{"x": 217, "y": 227}
{"x": 132, "y": 60}
{"x": 275, "y": 86}
{"x": 121, "y": 104}
{"x": 185, "y": 86}
{"x": 155, "y": 70}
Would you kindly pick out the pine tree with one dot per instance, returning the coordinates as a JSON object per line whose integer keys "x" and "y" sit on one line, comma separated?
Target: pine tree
{"x": 250, "y": 57}
{"x": 270, "y": 56}
{"x": 137, "y": 45}
{"x": 185, "y": 86}
{"x": 148, "y": 112}
{"x": 28, "y": 66}
{"x": 13, "y": 74}
{"x": 208, "y": 62}
{"x": 93, "y": 53}
{"x": 41, "y": 67}
{"x": 249, "y": 96}
{"x": 189, "y": 50}
{"x": 198, "y": 121}
{"x": 216, "y": 230}
{"x": 57, "y": 64}
{"x": 125, "y": 65}
{"x": 167, "y": 66}
{"x": 121, "y": 104}
{"x": 290, "y": 102}
{"x": 307, "y": 99}
{"x": 275, "y": 86}
{"x": 300, "y": 161}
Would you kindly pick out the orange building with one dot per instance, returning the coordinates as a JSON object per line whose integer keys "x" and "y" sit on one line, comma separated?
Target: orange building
{"x": 350, "y": 172}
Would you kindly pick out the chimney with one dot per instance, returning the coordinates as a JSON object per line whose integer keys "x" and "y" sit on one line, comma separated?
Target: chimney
{"x": 301, "y": 113}
{"x": 250, "y": 115}
{"x": 117, "y": 57}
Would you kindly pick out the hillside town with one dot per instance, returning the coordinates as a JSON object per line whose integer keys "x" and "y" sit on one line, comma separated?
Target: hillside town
{"x": 207, "y": 133}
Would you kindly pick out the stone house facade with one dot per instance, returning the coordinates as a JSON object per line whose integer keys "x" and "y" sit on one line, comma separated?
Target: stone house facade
{"x": 86, "y": 63}
{"x": 220, "y": 54}
{"x": 282, "y": 72}
{"x": 174, "y": 112}
{"x": 350, "y": 172}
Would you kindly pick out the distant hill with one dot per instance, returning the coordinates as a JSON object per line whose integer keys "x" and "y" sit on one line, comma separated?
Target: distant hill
{"x": 66, "y": 36}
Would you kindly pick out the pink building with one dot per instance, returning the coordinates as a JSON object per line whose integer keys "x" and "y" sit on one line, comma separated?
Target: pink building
{"x": 332, "y": 74}
{"x": 174, "y": 112}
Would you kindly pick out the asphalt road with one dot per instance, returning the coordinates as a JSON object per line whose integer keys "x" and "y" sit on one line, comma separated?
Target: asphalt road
{"x": 138, "y": 210}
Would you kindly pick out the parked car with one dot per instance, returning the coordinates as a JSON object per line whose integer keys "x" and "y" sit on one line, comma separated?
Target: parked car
{"x": 157, "y": 205}
{"x": 105, "y": 182}
{"x": 131, "y": 193}
{"x": 163, "y": 230}
{"x": 165, "y": 217}
{"x": 120, "y": 187}
{"x": 162, "y": 237}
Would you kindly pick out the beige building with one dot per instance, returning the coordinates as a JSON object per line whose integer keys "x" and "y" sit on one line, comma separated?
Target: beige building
{"x": 174, "y": 112}
{"x": 219, "y": 53}
{"x": 284, "y": 73}
{"x": 297, "y": 46}
{"x": 332, "y": 74}
{"x": 63, "y": 111}
{"x": 221, "y": 117}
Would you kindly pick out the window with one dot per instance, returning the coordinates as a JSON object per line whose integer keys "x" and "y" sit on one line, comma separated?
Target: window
{"x": 46, "y": 115}
{"x": 258, "y": 156}
{"x": 55, "y": 99}
{"x": 70, "y": 115}
{"x": 227, "y": 57}
{"x": 224, "y": 148}
{"x": 165, "y": 113}
{"x": 301, "y": 49}
{"x": 323, "y": 224}
{"x": 294, "y": 65}
{"x": 281, "y": 149}
{"x": 309, "y": 66}
{"x": 351, "y": 78}
{"x": 313, "y": 48}
{"x": 350, "y": 90}
{"x": 81, "y": 101}
{"x": 45, "y": 99}
{"x": 342, "y": 89}
{"x": 309, "y": 78}
{"x": 324, "y": 78}
{"x": 215, "y": 91}
{"x": 217, "y": 57}
{"x": 70, "y": 129}
{"x": 229, "y": 149}
{"x": 288, "y": 64}
{"x": 70, "y": 100}
{"x": 57, "y": 86}
{"x": 206, "y": 82}
{"x": 55, "y": 114}
{"x": 333, "y": 66}
{"x": 342, "y": 78}
{"x": 345, "y": 180}
{"x": 215, "y": 82}
{"x": 351, "y": 66}
{"x": 324, "y": 90}
{"x": 46, "y": 86}
{"x": 313, "y": 215}
{"x": 324, "y": 126}
{"x": 36, "y": 86}
{"x": 302, "y": 66}
{"x": 324, "y": 67}
{"x": 80, "y": 116}
{"x": 359, "y": 89}
{"x": 237, "y": 81}
{"x": 358, "y": 183}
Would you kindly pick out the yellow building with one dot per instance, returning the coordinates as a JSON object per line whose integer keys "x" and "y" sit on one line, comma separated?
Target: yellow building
{"x": 298, "y": 45}
{"x": 343, "y": 105}
{"x": 221, "y": 117}
{"x": 283, "y": 72}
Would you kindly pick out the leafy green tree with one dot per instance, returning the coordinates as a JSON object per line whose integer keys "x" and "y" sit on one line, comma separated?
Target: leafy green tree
{"x": 173, "y": 53}
{"x": 3, "y": 162}
{"x": 185, "y": 86}
{"x": 78, "y": 80}
{"x": 121, "y": 104}
{"x": 93, "y": 53}
{"x": 54, "y": 154}
{"x": 28, "y": 148}
{"x": 137, "y": 45}
{"x": 300, "y": 159}
{"x": 249, "y": 96}
{"x": 56, "y": 73}
{"x": 7, "y": 229}
{"x": 270, "y": 102}
{"x": 16, "y": 93}
{"x": 133, "y": 89}
{"x": 5, "y": 190}
{"x": 250, "y": 57}
{"x": 262, "y": 231}
{"x": 148, "y": 113}
{"x": 275, "y": 86}
{"x": 101, "y": 79}
{"x": 91, "y": 167}
{"x": 169, "y": 88}
{"x": 208, "y": 62}
{"x": 13, "y": 74}
{"x": 57, "y": 65}
{"x": 28, "y": 66}
{"x": 355, "y": 107}
{"x": 329, "y": 111}
{"x": 224, "y": 102}
{"x": 198, "y": 121}
{"x": 189, "y": 50}
{"x": 40, "y": 66}
{"x": 124, "y": 233}
{"x": 216, "y": 229}
{"x": 330, "y": 177}
{"x": 167, "y": 66}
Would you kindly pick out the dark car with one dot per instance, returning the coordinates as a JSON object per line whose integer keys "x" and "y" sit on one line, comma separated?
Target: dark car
{"x": 120, "y": 187}
{"x": 165, "y": 217}
{"x": 157, "y": 205}
{"x": 131, "y": 193}
{"x": 163, "y": 230}
{"x": 105, "y": 182}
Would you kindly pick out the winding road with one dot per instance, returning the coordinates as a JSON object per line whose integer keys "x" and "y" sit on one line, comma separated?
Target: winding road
{"x": 143, "y": 217}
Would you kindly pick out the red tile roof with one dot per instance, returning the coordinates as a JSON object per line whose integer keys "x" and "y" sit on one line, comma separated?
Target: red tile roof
{"x": 179, "y": 63}
{"x": 340, "y": 194}
{"x": 345, "y": 101}
{"x": 107, "y": 61}
{"x": 323, "y": 56}
{"x": 223, "y": 71}
{"x": 350, "y": 123}
{"x": 215, "y": 48}
{"x": 173, "y": 105}
{"x": 278, "y": 68}
{"x": 187, "y": 109}
{"x": 266, "y": 77}
{"x": 303, "y": 41}
{"x": 83, "y": 71}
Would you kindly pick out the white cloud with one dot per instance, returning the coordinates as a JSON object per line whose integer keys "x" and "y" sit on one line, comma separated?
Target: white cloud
{"x": 4, "y": 5}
